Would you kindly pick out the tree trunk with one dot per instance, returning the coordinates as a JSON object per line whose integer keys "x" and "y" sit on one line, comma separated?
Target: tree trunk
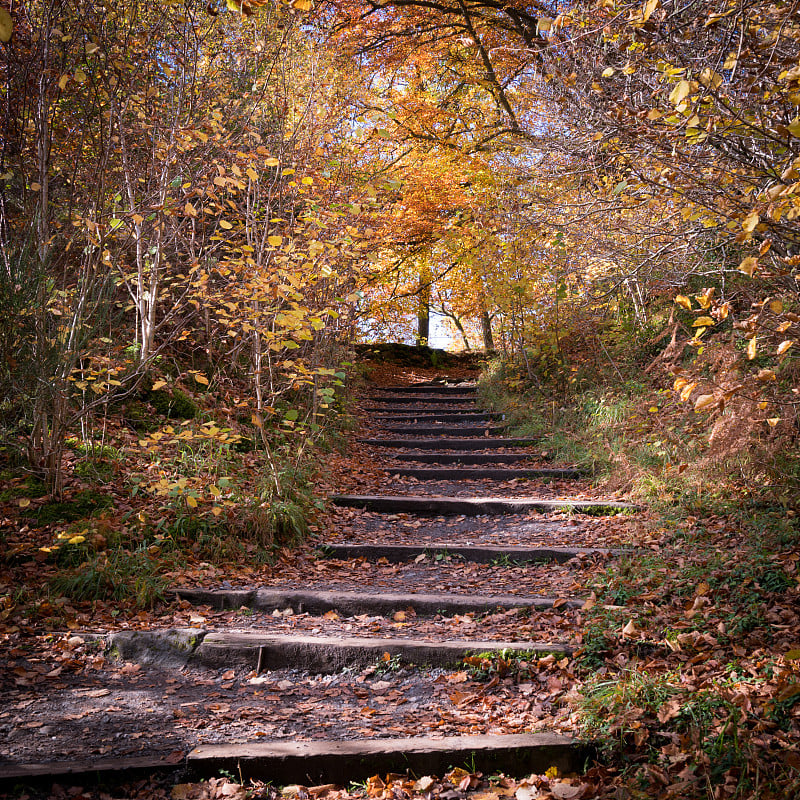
{"x": 486, "y": 329}
{"x": 424, "y": 308}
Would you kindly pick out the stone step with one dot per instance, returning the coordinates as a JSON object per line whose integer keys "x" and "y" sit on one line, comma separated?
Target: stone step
{"x": 423, "y": 400}
{"x": 185, "y": 647}
{"x": 352, "y": 603}
{"x": 463, "y": 458}
{"x": 316, "y": 762}
{"x": 342, "y": 762}
{"x": 445, "y": 429}
{"x": 427, "y": 388}
{"x": 482, "y": 443}
{"x": 474, "y": 506}
{"x": 437, "y": 416}
{"x": 479, "y": 474}
{"x": 400, "y": 553}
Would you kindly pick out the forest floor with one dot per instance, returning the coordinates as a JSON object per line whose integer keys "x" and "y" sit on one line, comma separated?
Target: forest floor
{"x": 675, "y": 644}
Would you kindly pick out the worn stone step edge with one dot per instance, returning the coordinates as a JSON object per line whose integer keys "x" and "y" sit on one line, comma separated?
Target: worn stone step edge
{"x": 182, "y": 647}
{"x": 463, "y": 458}
{"x": 446, "y": 429}
{"x": 352, "y": 603}
{"x": 330, "y": 761}
{"x": 486, "y": 473}
{"x": 474, "y": 506}
{"x": 481, "y": 443}
{"x": 400, "y": 553}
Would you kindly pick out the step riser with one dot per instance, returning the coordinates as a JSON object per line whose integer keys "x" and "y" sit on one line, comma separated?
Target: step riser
{"x": 448, "y": 506}
{"x": 353, "y": 603}
{"x": 444, "y": 474}
{"x": 402, "y": 553}
{"x": 447, "y": 444}
{"x": 309, "y": 763}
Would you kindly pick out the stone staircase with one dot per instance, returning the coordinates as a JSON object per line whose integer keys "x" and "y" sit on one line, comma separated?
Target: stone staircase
{"x": 409, "y": 584}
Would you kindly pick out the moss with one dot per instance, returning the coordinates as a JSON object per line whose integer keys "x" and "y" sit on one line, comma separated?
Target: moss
{"x": 83, "y": 505}
{"x": 175, "y": 404}
{"x": 30, "y": 487}
{"x": 139, "y": 416}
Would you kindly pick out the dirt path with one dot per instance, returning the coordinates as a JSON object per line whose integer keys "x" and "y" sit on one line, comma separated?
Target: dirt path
{"x": 466, "y": 628}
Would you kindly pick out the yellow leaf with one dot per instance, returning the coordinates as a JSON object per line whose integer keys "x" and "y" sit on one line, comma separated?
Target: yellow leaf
{"x": 252, "y": 174}
{"x": 679, "y": 93}
{"x": 784, "y": 346}
{"x": 6, "y": 25}
{"x": 256, "y": 420}
{"x": 35, "y": 187}
{"x": 216, "y": 511}
{"x": 77, "y": 540}
{"x": 687, "y": 390}
{"x": 776, "y": 307}
{"x": 189, "y": 210}
{"x": 272, "y": 162}
{"x": 792, "y": 655}
{"x": 225, "y": 225}
{"x": 307, "y": 181}
{"x": 773, "y": 421}
{"x": 751, "y": 349}
{"x": 648, "y": 8}
{"x": 62, "y": 81}
{"x": 544, "y": 24}
{"x": 794, "y": 127}
{"x": 608, "y": 72}
{"x": 748, "y": 266}
{"x": 704, "y": 401}
{"x": 190, "y": 501}
{"x": 23, "y": 502}
{"x": 138, "y": 219}
{"x": 750, "y": 222}
{"x": 159, "y": 385}
{"x": 684, "y": 302}
{"x": 302, "y": 5}
{"x": 703, "y": 322}
{"x": 80, "y": 76}
{"x": 766, "y": 375}
{"x": 710, "y": 79}
{"x": 275, "y": 241}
